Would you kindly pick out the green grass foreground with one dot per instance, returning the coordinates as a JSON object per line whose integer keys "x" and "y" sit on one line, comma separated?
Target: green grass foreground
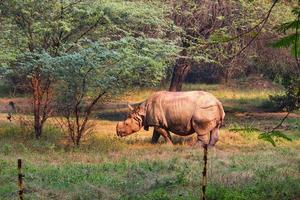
{"x": 240, "y": 167}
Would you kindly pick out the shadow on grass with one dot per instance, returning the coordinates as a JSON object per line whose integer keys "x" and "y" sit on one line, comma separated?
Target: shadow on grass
{"x": 248, "y": 105}
{"x": 119, "y": 112}
{"x": 112, "y": 114}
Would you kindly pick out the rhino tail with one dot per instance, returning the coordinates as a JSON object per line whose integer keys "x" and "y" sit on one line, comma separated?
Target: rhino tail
{"x": 222, "y": 124}
{"x": 222, "y": 115}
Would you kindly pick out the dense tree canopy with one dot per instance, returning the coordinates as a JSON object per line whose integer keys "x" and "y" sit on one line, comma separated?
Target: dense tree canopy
{"x": 50, "y": 35}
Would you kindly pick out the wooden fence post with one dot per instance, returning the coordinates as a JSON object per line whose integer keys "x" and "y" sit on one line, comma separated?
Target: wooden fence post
{"x": 20, "y": 179}
{"x": 204, "y": 173}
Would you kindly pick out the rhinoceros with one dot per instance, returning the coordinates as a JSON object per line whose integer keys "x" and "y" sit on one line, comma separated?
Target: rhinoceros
{"x": 182, "y": 113}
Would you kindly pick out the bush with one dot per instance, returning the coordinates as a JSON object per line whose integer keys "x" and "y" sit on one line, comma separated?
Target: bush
{"x": 291, "y": 99}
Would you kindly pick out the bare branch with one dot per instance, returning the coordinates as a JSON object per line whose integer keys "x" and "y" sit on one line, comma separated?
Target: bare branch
{"x": 296, "y": 44}
{"x": 258, "y": 26}
{"x": 28, "y": 27}
{"x": 89, "y": 110}
{"x": 280, "y": 123}
{"x": 47, "y": 107}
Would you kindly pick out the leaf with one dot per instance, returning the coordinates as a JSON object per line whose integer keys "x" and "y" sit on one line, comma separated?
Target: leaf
{"x": 295, "y": 50}
{"x": 287, "y": 26}
{"x": 279, "y": 134}
{"x": 286, "y": 41}
{"x": 219, "y": 36}
{"x": 220, "y": 17}
{"x": 269, "y": 136}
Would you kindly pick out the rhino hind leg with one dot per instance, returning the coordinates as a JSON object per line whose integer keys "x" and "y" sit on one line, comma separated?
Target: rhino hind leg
{"x": 166, "y": 134}
{"x": 203, "y": 131}
{"x": 203, "y": 140}
{"x": 155, "y": 136}
{"x": 214, "y": 136}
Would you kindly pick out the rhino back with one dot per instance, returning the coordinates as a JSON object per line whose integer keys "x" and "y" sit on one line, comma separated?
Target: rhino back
{"x": 175, "y": 110}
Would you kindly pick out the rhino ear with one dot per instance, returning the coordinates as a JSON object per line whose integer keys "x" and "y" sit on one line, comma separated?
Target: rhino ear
{"x": 141, "y": 110}
{"x": 130, "y": 107}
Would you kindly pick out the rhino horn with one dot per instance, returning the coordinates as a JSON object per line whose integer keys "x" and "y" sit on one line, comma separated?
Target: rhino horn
{"x": 130, "y": 107}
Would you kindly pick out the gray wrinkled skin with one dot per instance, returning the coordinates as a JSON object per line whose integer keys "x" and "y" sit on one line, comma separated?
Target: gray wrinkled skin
{"x": 182, "y": 113}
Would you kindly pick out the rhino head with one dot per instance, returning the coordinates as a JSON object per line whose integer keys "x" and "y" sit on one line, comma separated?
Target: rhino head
{"x": 133, "y": 123}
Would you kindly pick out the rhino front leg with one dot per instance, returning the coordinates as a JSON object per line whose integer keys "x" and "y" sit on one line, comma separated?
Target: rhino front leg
{"x": 155, "y": 136}
{"x": 165, "y": 134}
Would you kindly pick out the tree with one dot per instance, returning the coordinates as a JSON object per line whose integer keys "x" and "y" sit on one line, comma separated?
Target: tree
{"x": 41, "y": 77}
{"x": 199, "y": 20}
{"x": 291, "y": 81}
{"x": 46, "y": 30}
{"x": 290, "y": 101}
{"x": 85, "y": 78}
{"x": 98, "y": 72}
{"x": 218, "y": 32}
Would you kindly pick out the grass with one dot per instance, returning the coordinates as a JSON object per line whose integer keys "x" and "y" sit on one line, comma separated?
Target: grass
{"x": 106, "y": 167}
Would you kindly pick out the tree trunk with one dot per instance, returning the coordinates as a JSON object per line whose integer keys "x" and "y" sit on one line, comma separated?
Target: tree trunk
{"x": 78, "y": 138}
{"x": 181, "y": 69}
{"x": 35, "y": 83}
{"x": 37, "y": 129}
{"x": 38, "y": 125}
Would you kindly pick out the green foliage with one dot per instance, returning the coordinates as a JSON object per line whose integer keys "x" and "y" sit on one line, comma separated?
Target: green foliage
{"x": 266, "y": 136}
{"x": 31, "y": 63}
{"x": 269, "y": 136}
{"x": 285, "y": 41}
{"x": 144, "y": 61}
{"x": 291, "y": 99}
{"x": 65, "y": 22}
{"x": 49, "y": 25}
{"x": 59, "y": 44}
{"x": 291, "y": 40}
{"x": 87, "y": 69}
{"x": 136, "y": 19}
{"x": 58, "y": 27}
{"x": 112, "y": 67}
{"x": 219, "y": 36}
{"x": 215, "y": 38}
{"x": 90, "y": 74}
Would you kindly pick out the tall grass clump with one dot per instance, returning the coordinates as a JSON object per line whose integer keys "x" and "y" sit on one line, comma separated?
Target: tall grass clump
{"x": 103, "y": 144}
{"x": 20, "y": 140}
